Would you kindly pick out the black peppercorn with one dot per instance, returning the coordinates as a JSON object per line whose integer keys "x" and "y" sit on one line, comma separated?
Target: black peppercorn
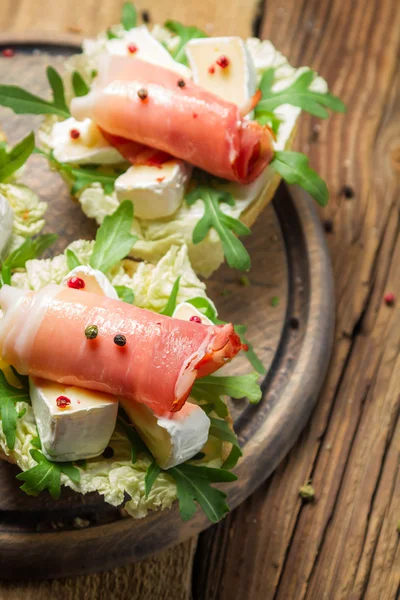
{"x": 120, "y": 340}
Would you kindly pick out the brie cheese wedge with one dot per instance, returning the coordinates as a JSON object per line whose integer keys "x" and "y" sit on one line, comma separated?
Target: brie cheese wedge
{"x": 237, "y": 81}
{"x": 185, "y": 311}
{"x": 95, "y": 281}
{"x": 139, "y": 43}
{"x": 90, "y": 147}
{"x": 6, "y": 223}
{"x": 80, "y": 430}
{"x": 155, "y": 192}
{"x": 174, "y": 439}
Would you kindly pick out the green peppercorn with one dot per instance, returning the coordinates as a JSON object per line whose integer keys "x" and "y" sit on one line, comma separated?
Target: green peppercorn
{"x": 91, "y": 332}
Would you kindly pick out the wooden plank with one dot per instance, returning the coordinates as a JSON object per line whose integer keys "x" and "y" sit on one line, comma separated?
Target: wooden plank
{"x": 300, "y": 548}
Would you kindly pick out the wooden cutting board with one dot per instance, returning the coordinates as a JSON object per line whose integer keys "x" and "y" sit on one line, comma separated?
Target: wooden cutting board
{"x": 288, "y": 308}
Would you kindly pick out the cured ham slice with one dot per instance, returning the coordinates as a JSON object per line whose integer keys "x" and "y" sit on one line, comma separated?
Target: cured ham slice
{"x": 43, "y": 334}
{"x": 153, "y": 106}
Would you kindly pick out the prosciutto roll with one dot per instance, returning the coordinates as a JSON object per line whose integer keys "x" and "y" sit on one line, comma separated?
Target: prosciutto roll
{"x": 156, "y": 107}
{"x": 43, "y": 334}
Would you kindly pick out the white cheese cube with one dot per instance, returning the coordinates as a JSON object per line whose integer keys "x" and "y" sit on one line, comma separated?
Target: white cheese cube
{"x": 81, "y": 430}
{"x": 6, "y": 223}
{"x": 235, "y": 83}
{"x": 185, "y": 311}
{"x": 95, "y": 281}
{"x": 155, "y": 192}
{"x": 139, "y": 43}
{"x": 174, "y": 439}
{"x": 90, "y": 147}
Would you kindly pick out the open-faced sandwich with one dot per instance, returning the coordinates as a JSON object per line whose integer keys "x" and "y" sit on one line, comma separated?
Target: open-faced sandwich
{"x": 107, "y": 377}
{"x": 195, "y": 131}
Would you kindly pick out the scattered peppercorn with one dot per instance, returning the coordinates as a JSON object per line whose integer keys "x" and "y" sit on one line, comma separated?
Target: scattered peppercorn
{"x": 389, "y": 299}
{"x": 91, "y": 332}
{"x": 348, "y": 191}
{"x": 76, "y": 283}
{"x": 223, "y": 62}
{"x": 120, "y": 340}
{"x": 211, "y": 70}
{"x": 63, "y": 402}
{"x": 75, "y": 134}
{"x": 132, "y": 48}
{"x": 195, "y": 319}
{"x": 294, "y": 323}
{"x": 8, "y": 52}
{"x": 108, "y": 452}
{"x": 143, "y": 93}
{"x": 146, "y": 16}
{"x": 181, "y": 83}
{"x": 275, "y": 301}
{"x": 307, "y": 492}
{"x": 328, "y": 225}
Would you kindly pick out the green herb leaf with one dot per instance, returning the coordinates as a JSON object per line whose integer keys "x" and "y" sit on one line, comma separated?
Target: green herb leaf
{"x": 31, "y": 248}
{"x": 14, "y": 159}
{"x": 46, "y": 475}
{"x": 57, "y": 87}
{"x": 235, "y": 386}
{"x": 297, "y": 94}
{"x": 221, "y": 430}
{"x": 168, "y": 310}
{"x": 136, "y": 442}
{"x": 185, "y": 34}
{"x": 204, "y": 306}
{"x": 80, "y": 86}
{"x": 193, "y": 485}
{"x": 293, "y": 168}
{"x": 265, "y": 117}
{"x": 72, "y": 259}
{"x": 125, "y": 293}
{"x": 114, "y": 239}
{"x": 253, "y": 358}
{"x": 128, "y": 16}
{"x": 111, "y": 35}
{"x": 25, "y": 103}
{"x": 36, "y": 443}
{"x": 9, "y": 395}
{"x": 83, "y": 176}
{"x": 225, "y": 225}
{"x": 151, "y": 475}
{"x": 21, "y": 413}
{"x": 215, "y": 403}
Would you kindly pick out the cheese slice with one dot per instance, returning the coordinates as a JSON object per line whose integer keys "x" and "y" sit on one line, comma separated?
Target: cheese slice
{"x": 185, "y": 311}
{"x": 235, "y": 83}
{"x": 139, "y": 43}
{"x": 174, "y": 439}
{"x": 6, "y": 223}
{"x": 89, "y": 148}
{"x": 95, "y": 281}
{"x": 155, "y": 192}
{"x": 82, "y": 430}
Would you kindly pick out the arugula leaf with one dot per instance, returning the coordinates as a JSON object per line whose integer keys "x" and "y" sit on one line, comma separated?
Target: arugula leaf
{"x": 204, "y": 306}
{"x": 171, "y": 304}
{"x": 21, "y": 413}
{"x": 46, "y": 475}
{"x": 36, "y": 443}
{"x": 83, "y": 176}
{"x": 114, "y": 239}
{"x": 215, "y": 403}
{"x": 266, "y": 117}
{"x": 193, "y": 484}
{"x": 14, "y": 159}
{"x": 72, "y": 259}
{"x": 253, "y": 358}
{"x": 185, "y": 34}
{"x": 125, "y": 293}
{"x": 235, "y": 386}
{"x": 297, "y": 94}
{"x": 31, "y": 248}
{"x": 128, "y": 16}
{"x": 9, "y": 395}
{"x": 80, "y": 86}
{"x": 136, "y": 442}
{"x": 25, "y": 103}
{"x": 293, "y": 168}
{"x": 151, "y": 475}
{"x": 111, "y": 35}
{"x": 225, "y": 226}
{"x": 221, "y": 430}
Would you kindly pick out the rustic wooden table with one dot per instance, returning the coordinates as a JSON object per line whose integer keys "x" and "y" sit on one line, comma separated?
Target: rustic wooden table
{"x": 346, "y": 543}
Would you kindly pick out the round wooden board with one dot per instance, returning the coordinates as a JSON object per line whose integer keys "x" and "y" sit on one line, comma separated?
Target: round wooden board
{"x": 42, "y": 538}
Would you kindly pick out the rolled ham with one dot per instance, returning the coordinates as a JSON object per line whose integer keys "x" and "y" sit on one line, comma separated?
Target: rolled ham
{"x": 143, "y": 102}
{"x": 43, "y": 334}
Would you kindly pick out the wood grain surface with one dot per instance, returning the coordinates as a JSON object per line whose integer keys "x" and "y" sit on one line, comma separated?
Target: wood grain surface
{"x": 345, "y": 544}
